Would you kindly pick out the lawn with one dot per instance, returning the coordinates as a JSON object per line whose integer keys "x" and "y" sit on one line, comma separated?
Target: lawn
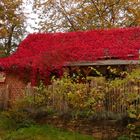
{"x": 10, "y": 131}
{"x": 44, "y": 133}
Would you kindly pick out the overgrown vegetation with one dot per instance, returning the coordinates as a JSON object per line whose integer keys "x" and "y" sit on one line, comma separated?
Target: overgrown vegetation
{"x": 69, "y": 100}
{"x": 87, "y": 98}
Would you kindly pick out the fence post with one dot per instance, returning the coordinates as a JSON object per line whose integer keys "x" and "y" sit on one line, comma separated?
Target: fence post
{"x": 6, "y": 98}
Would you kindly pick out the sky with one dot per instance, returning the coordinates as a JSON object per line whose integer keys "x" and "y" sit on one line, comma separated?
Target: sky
{"x": 32, "y": 17}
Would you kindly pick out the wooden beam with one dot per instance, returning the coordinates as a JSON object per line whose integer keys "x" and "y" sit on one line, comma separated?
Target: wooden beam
{"x": 104, "y": 62}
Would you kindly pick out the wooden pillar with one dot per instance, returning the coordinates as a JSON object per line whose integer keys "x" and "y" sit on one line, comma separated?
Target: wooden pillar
{"x": 6, "y": 98}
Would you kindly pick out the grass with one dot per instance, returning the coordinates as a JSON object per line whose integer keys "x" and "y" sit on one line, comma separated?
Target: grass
{"x": 9, "y": 130}
{"x": 45, "y": 133}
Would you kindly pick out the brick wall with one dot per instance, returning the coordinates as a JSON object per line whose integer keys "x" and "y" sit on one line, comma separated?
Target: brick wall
{"x": 15, "y": 86}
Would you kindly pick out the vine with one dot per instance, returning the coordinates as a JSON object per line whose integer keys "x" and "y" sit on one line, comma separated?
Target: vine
{"x": 43, "y": 53}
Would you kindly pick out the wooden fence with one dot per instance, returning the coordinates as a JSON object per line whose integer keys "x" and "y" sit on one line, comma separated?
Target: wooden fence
{"x": 116, "y": 99}
{"x": 119, "y": 99}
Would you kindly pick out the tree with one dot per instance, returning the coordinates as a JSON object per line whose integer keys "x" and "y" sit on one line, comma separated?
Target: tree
{"x": 11, "y": 24}
{"x": 73, "y": 15}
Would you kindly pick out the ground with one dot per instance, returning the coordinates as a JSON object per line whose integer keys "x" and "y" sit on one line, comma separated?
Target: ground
{"x": 9, "y": 130}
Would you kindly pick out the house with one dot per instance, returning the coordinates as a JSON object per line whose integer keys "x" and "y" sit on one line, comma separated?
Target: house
{"x": 43, "y": 54}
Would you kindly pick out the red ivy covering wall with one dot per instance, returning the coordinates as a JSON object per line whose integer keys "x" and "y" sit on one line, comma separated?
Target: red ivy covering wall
{"x": 42, "y": 53}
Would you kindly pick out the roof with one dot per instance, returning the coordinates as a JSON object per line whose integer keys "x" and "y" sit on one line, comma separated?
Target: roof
{"x": 85, "y": 45}
{"x": 53, "y": 50}
{"x": 105, "y": 63}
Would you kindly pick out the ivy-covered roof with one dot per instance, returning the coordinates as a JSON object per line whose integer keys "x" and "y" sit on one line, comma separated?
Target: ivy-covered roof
{"x": 48, "y": 51}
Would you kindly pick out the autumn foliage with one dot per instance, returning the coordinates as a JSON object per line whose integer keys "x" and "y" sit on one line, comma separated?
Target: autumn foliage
{"x": 43, "y": 53}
